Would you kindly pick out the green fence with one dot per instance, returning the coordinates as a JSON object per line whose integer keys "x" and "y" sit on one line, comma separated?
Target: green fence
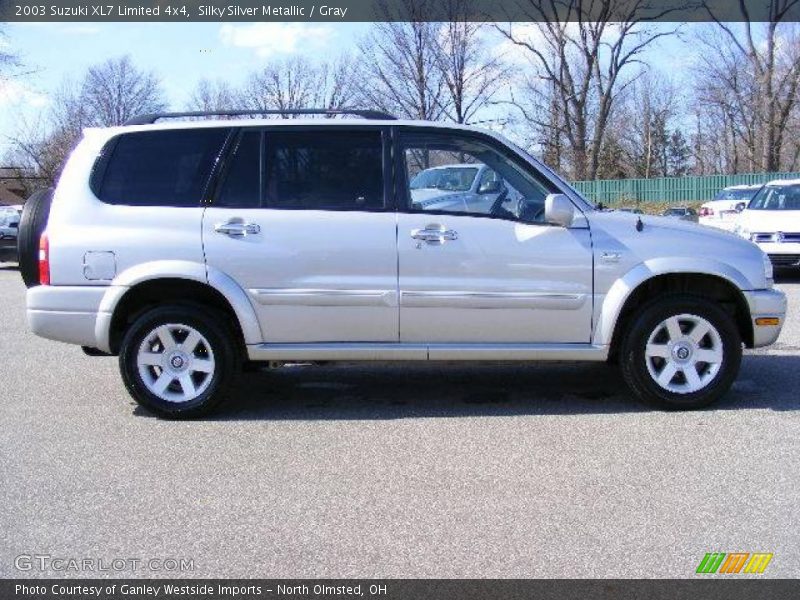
{"x": 669, "y": 189}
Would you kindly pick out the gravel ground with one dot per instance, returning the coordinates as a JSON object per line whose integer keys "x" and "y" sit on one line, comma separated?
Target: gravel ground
{"x": 495, "y": 470}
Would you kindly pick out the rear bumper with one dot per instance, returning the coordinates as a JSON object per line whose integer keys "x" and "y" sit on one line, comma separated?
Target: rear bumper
{"x": 766, "y": 303}
{"x": 8, "y": 250}
{"x": 70, "y": 314}
{"x": 718, "y": 223}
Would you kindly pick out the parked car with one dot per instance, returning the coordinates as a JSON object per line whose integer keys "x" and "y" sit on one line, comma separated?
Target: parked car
{"x": 684, "y": 213}
{"x": 188, "y": 247}
{"x": 772, "y": 221}
{"x": 723, "y": 211}
{"x": 9, "y": 228}
{"x": 468, "y": 187}
{"x": 628, "y": 209}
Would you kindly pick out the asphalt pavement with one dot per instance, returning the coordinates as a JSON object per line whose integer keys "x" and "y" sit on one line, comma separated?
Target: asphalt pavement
{"x": 393, "y": 470}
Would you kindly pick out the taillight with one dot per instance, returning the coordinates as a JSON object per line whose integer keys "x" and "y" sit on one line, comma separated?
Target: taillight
{"x": 44, "y": 260}
{"x": 706, "y": 212}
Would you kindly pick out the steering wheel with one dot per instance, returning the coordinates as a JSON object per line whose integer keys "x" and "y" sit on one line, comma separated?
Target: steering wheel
{"x": 523, "y": 212}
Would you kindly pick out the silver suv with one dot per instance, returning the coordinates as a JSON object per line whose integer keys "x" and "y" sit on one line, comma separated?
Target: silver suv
{"x": 188, "y": 247}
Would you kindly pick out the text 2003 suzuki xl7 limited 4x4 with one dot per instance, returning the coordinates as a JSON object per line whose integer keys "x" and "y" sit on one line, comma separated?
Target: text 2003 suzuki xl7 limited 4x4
{"x": 190, "y": 247}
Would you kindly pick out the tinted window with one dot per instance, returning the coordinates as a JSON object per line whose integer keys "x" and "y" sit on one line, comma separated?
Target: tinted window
{"x": 333, "y": 170}
{"x": 241, "y": 186}
{"x": 160, "y": 168}
{"x": 434, "y": 165}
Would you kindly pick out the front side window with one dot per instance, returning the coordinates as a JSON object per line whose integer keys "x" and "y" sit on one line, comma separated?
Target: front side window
{"x": 324, "y": 170}
{"x": 451, "y": 173}
{"x": 158, "y": 168}
{"x": 785, "y": 197}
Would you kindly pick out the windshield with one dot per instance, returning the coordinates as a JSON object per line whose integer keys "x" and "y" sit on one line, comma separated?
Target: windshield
{"x": 785, "y": 197}
{"x": 736, "y": 194}
{"x": 454, "y": 179}
{"x": 675, "y": 212}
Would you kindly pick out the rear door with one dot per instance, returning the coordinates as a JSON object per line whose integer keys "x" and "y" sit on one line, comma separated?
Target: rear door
{"x": 302, "y": 221}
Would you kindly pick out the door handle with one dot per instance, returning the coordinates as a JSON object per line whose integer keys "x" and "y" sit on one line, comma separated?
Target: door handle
{"x": 237, "y": 228}
{"x": 434, "y": 234}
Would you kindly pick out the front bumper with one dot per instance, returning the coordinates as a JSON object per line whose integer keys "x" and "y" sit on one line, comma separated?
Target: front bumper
{"x": 70, "y": 314}
{"x": 766, "y": 304}
{"x": 785, "y": 254}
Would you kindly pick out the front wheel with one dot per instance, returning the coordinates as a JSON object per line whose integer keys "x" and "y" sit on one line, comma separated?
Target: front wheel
{"x": 682, "y": 352}
{"x": 178, "y": 361}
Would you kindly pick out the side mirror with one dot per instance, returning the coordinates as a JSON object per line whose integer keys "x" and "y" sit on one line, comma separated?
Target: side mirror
{"x": 740, "y": 207}
{"x": 558, "y": 210}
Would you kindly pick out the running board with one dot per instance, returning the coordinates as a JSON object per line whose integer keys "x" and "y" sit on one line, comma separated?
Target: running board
{"x": 398, "y": 351}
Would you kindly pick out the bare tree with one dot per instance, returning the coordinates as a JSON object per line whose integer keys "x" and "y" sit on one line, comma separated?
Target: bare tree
{"x": 337, "y": 83}
{"x": 584, "y": 56}
{"x": 212, "y": 95}
{"x": 642, "y": 125}
{"x": 402, "y": 65}
{"x": 748, "y": 76}
{"x": 472, "y": 76}
{"x": 298, "y": 83}
{"x": 116, "y": 90}
{"x": 108, "y": 94}
{"x": 38, "y": 150}
{"x": 7, "y": 58}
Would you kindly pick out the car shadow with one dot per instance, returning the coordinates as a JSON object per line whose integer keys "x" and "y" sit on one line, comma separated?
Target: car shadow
{"x": 384, "y": 391}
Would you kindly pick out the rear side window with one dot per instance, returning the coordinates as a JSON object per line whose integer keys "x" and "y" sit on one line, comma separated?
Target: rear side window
{"x": 324, "y": 170}
{"x": 158, "y": 168}
{"x": 241, "y": 184}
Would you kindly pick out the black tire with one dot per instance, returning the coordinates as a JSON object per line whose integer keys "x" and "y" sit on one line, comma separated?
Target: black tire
{"x": 634, "y": 363}
{"x": 31, "y": 225}
{"x": 226, "y": 357}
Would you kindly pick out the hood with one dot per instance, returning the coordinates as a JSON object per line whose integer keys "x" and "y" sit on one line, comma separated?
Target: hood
{"x": 665, "y": 244}
{"x": 422, "y": 194}
{"x": 770, "y": 220}
{"x": 624, "y": 221}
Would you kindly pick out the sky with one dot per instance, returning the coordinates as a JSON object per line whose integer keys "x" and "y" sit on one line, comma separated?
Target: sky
{"x": 182, "y": 54}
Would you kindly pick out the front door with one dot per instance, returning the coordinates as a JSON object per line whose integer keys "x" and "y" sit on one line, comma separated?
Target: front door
{"x": 474, "y": 271}
{"x": 301, "y": 221}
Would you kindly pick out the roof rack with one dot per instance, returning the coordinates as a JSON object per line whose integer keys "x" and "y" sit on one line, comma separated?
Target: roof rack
{"x": 367, "y": 114}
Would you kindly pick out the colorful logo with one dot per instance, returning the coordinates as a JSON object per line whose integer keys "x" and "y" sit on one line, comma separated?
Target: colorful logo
{"x": 734, "y": 562}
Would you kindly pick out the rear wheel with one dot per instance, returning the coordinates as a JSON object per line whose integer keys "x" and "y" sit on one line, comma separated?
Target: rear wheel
{"x": 31, "y": 225}
{"x": 178, "y": 361}
{"x": 682, "y": 352}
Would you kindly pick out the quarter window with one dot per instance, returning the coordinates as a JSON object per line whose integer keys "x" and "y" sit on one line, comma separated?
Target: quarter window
{"x": 324, "y": 170}
{"x": 158, "y": 168}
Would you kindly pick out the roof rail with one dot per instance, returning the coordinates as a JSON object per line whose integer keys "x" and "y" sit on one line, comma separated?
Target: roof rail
{"x": 367, "y": 114}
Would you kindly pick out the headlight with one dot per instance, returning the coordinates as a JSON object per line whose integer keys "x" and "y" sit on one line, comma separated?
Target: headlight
{"x": 768, "y": 273}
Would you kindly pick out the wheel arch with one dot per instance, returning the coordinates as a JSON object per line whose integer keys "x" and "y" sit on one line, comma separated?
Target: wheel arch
{"x": 646, "y": 281}
{"x": 150, "y": 284}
